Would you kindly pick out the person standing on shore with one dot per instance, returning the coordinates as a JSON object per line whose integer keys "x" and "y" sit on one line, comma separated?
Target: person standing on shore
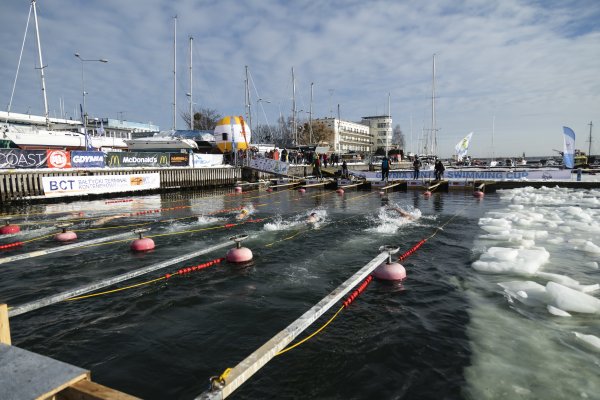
{"x": 416, "y": 167}
{"x": 385, "y": 169}
{"x": 439, "y": 170}
{"x": 317, "y": 167}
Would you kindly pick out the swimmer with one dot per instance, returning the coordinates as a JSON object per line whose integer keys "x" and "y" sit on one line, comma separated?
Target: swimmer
{"x": 403, "y": 214}
{"x": 103, "y": 220}
{"x": 313, "y": 218}
{"x": 243, "y": 214}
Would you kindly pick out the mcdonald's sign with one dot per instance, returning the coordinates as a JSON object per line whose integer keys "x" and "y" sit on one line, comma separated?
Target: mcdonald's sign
{"x": 137, "y": 159}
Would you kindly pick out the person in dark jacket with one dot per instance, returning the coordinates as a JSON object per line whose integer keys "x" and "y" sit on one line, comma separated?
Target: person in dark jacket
{"x": 439, "y": 170}
{"x": 416, "y": 168}
{"x": 385, "y": 169}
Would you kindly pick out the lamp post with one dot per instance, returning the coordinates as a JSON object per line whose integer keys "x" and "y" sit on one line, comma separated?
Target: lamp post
{"x": 258, "y": 101}
{"x": 83, "y": 60}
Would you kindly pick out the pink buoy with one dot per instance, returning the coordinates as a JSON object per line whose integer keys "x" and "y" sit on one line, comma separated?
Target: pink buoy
{"x": 238, "y": 189}
{"x": 382, "y": 193}
{"x": 427, "y": 193}
{"x": 269, "y": 190}
{"x": 340, "y": 191}
{"x": 390, "y": 272}
{"x": 9, "y": 228}
{"x": 239, "y": 254}
{"x": 478, "y": 194}
{"x": 142, "y": 244}
{"x": 65, "y": 236}
{"x": 301, "y": 190}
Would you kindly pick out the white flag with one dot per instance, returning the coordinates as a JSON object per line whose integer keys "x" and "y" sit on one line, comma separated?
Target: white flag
{"x": 462, "y": 147}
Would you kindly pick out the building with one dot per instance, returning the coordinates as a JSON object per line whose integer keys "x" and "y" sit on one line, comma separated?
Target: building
{"x": 120, "y": 129}
{"x": 381, "y": 130}
{"x": 347, "y": 136}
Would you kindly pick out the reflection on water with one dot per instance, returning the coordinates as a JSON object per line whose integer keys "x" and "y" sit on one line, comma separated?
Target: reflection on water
{"x": 411, "y": 340}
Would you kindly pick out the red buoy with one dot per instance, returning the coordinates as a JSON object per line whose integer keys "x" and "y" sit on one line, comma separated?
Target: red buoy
{"x": 65, "y": 236}
{"x": 9, "y": 228}
{"x": 142, "y": 243}
{"x": 478, "y": 194}
{"x": 239, "y": 254}
{"x": 390, "y": 272}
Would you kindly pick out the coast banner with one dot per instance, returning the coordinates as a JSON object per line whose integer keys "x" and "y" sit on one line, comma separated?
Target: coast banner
{"x": 137, "y": 159}
{"x": 179, "y": 159}
{"x": 14, "y": 158}
{"x": 569, "y": 152}
{"x": 488, "y": 175}
{"x": 58, "y": 159}
{"x": 57, "y": 186}
{"x": 87, "y": 159}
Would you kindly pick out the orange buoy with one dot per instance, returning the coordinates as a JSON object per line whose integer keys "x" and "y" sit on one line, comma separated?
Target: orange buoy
{"x": 9, "y": 228}
{"x": 142, "y": 243}
{"x": 239, "y": 254}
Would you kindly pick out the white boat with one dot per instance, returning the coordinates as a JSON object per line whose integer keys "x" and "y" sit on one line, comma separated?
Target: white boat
{"x": 163, "y": 141}
{"x": 37, "y": 137}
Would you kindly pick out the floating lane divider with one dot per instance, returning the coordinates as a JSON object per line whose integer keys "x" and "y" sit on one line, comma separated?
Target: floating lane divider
{"x": 63, "y": 248}
{"x": 234, "y": 378}
{"x": 46, "y": 301}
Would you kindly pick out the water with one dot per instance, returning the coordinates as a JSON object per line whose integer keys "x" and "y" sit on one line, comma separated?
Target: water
{"x": 448, "y": 332}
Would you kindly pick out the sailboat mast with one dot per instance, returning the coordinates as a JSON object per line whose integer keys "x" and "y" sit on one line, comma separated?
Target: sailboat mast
{"x": 37, "y": 34}
{"x": 390, "y": 122}
{"x": 248, "y": 101}
{"x": 493, "y": 130}
{"x": 191, "y": 88}
{"x": 294, "y": 130}
{"x": 590, "y": 145}
{"x": 433, "y": 144}
{"x": 310, "y": 113}
{"x": 175, "y": 73}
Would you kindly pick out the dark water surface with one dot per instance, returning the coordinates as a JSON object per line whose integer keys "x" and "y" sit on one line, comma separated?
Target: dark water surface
{"x": 163, "y": 341}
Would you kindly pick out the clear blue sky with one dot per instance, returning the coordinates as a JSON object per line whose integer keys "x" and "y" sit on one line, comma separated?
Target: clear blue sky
{"x": 534, "y": 65}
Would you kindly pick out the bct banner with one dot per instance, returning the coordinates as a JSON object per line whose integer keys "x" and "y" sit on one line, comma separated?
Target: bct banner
{"x": 55, "y": 186}
{"x": 138, "y": 159}
{"x": 268, "y": 165}
{"x": 535, "y": 175}
{"x": 87, "y": 159}
{"x": 15, "y": 158}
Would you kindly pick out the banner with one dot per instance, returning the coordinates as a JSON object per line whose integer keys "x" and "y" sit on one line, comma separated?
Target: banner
{"x": 87, "y": 159}
{"x": 462, "y": 147}
{"x": 179, "y": 159}
{"x": 58, "y": 159}
{"x": 15, "y": 158}
{"x": 487, "y": 175}
{"x": 569, "y": 152}
{"x": 269, "y": 165}
{"x": 206, "y": 160}
{"x": 137, "y": 159}
{"x": 56, "y": 186}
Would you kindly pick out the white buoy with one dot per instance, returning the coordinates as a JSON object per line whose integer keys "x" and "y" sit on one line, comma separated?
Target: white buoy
{"x": 239, "y": 254}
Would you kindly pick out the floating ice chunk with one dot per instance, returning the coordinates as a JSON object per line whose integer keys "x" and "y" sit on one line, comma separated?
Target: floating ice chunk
{"x": 557, "y": 311}
{"x": 555, "y": 240}
{"x": 494, "y": 229}
{"x": 527, "y": 292}
{"x": 504, "y": 236}
{"x": 564, "y": 229}
{"x": 494, "y": 221}
{"x": 572, "y": 300}
{"x": 591, "y": 341}
{"x": 516, "y": 206}
{"x": 591, "y": 264}
{"x": 568, "y": 282}
{"x": 590, "y": 247}
{"x": 527, "y": 243}
{"x": 497, "y": 260}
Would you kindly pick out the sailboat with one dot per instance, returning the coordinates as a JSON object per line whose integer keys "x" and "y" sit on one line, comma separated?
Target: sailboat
{"x": 429, "y": 154}
{"x": 30, "y": 137}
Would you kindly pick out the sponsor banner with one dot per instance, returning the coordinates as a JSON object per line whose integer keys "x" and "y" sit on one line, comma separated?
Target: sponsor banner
{"x": 15, "y": 158}
{"x": 179, "y": 159}
{"x": 87, "y": 159}
{"x": 206, "y": 160}
{"x": 268, "y": 165}
{"x": 488, "y": 175}
{"x": 137, "y": 159}
{"x": 55, "y": 186}
{"x": 58, "y": 159}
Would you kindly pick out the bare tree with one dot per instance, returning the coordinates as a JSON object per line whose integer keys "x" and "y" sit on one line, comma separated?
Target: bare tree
{"x": 320, "y": 134}
{"x": 205, "y": 119}
{"x": 398, "y": 137}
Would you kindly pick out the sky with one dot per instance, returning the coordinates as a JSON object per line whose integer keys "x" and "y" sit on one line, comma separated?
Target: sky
{"x": 514, "y": 72}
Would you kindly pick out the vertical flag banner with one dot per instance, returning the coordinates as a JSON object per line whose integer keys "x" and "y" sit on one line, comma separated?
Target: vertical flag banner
{"x": 569, "y": 151}
{"x": 462, "y": 147}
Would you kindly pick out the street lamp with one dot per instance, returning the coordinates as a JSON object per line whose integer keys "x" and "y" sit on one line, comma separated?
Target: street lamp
{"x": 258, "y": 101}
{"x": 84, "y": 116}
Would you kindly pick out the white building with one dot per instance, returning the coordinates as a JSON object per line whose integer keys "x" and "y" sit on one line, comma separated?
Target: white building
{"x": 381, "y": 130}
{"x": 347, "y": 136}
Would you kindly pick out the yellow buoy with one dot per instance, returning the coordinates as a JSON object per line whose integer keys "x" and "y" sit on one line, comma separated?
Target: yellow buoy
{"x": 232, "y": 133}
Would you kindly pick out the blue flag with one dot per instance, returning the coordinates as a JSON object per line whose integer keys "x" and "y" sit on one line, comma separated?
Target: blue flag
{"x": 569, "y": 151}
